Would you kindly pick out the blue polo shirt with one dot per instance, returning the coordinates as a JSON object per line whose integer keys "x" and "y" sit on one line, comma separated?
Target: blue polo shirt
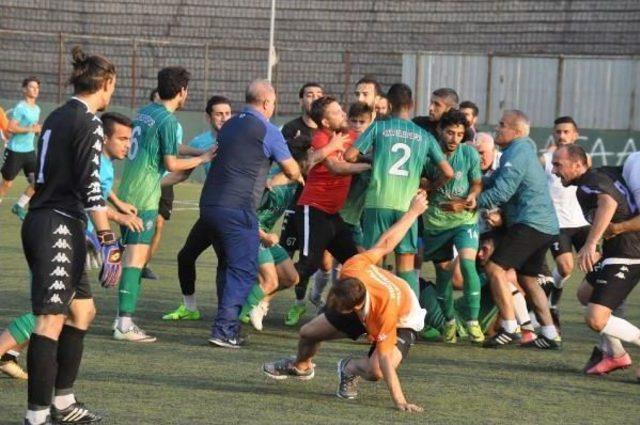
{"x": 247, "y": 144}
{"x": 204, "y": 141}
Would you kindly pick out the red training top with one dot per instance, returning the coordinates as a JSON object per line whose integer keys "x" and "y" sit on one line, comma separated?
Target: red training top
{"x": 323, "y": 190}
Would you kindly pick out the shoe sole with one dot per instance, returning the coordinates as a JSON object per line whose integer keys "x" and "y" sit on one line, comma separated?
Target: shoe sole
{"x": 283, "y": 377}
{"x": 177, "y": 319}
{"x": 219, "y": 343}
{"x": 139, "y": 341}
{"x": 609, "y": 371}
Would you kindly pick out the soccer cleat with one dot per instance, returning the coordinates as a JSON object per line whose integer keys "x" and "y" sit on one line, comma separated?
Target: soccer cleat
{"x": 133, "y": 334}
{"x": 527, "y": 336}
{"x": 348, "y": 384}
{"x": 284, "y": 368}
{"x": 608, "y": 364}
{"x": 430, "y": 334}
{"x": 74, "y": 414}
{"x": 596, "y": 357}
{"x": 234, "y": 343}
{"x": 19, "y": 211}
{"x": 182, "y": 313}
{"x": 475, "y": 333}
{"x": 12, "y": 369}
{"x": 544, "y": 343}
{"x": 257, "y": 314}
{"x": 500, "y": 339}
{"x": 449, "y": 332}
{"x": 147, "y": 273}
{"x": 294, "y": 314}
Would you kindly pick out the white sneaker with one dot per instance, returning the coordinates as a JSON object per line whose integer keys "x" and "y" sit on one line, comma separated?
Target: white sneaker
{"x": 133, "y": 334}
{"x": 257, "y": 315}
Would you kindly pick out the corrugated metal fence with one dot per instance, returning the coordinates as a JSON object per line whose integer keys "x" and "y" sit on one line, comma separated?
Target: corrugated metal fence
{"x": 599, "y": 92}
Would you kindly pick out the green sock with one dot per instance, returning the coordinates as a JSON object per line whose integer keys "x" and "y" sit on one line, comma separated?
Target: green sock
{"x": 429, "y": 301}
{"x": 411, "y": 278}
{"x": 22, "y": 327}
{"x": 129, "y": 290}
{"x": 444, "y": 289}
{"x": 471, "y": 289}
{"x": 253, "y": 299}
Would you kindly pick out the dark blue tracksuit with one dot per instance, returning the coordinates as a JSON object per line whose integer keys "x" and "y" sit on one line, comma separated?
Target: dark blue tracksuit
{"x": 247, "y": 144}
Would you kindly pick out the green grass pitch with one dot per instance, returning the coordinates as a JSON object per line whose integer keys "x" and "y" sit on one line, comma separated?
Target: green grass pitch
{"x": 182, "y": 380}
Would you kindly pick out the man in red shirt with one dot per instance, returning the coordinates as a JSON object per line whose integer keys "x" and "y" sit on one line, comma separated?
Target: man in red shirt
{"x": 318, "y": 223}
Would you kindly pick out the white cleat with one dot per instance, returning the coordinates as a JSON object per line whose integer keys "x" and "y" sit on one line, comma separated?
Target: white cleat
{"x": 133, "y": 334}
{"x": 257, "y": 315}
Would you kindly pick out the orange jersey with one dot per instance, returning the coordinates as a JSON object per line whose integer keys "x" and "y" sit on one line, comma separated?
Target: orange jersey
{"x": 390, "y": 303}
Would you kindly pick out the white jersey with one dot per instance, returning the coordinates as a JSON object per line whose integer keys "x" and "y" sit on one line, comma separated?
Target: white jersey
{"x": 631, "y": 175}
{"x": 483, "y": 227}
{"x": 564, "y": 198}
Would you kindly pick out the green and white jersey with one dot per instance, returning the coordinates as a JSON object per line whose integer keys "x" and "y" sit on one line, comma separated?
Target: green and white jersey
{"x": 155, "y": 135}
{"x": 401, "y": 151}
{"x": 465, "y": 162}
{"x": 351, "y": 212}
{"x": 273, "y": 204}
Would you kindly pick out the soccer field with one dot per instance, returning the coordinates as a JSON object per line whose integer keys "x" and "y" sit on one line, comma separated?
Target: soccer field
{"x": 182, "y": 380}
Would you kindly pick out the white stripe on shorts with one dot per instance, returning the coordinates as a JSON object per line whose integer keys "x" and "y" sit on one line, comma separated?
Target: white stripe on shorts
{"x": 305, "y": 247}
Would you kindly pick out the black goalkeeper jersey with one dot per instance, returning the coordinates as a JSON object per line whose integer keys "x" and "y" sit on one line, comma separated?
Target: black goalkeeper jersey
{"x": 608, "y": 180}
{"x": 69, "y": 151}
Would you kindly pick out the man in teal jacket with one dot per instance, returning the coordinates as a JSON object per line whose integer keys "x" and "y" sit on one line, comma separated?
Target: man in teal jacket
{"x": 520, "y": 190}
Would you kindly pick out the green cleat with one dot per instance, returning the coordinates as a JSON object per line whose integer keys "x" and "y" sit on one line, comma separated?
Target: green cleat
{"x": 244, "y": 314}
{"x": 19, "y": 211}
{"x": 475, "y": 332}
{"x": 449, "y": 332}
{"x": 430, "y": 334}
{"x": 181, "y": 313}
{"x": 294, "y": 314}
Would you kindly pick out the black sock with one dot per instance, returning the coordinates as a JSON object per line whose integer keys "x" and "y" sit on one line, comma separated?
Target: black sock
{"x": 6, "y": 357}
{"x": 42, "y": 367}
{"x": 70, "y": 347}
{"x": 554, "y": 296}
{"x": 301, "y": 289}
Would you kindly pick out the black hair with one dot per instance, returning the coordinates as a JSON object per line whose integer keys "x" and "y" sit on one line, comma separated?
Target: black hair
{"x": 449, "y": 95}
{"x": 89, "y": 72}
{"x": 400, "y": 97}
{"x": 368, "y": 79}
{"x": 216, "y": 100}
{"x": 152, "y": 95}
{"x": 467, "y": 104}
{"x": 306, "y": 86}
{"x": 346, "y": 294}
{"x": 566, "y": 120}
{"x": 171, "y": 81}
{"x": 576, "y": 153}
{"x": 318, "y": 107}
{"x": 453, "y": 117}
{"x": 110, "y": 119}
{"x": 358, "y": 109}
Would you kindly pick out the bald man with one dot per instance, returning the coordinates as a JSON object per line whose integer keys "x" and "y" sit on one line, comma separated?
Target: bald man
{"x": 247, "y": 144}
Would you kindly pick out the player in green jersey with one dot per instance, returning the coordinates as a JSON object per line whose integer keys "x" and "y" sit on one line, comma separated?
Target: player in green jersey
{"x": 444, "y": 229}
{"x": 401, "y": 151}
{"x": 154, "y": 149}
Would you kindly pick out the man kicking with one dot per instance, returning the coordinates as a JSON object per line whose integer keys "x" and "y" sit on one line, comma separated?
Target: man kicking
{"x": 367, "y": 299}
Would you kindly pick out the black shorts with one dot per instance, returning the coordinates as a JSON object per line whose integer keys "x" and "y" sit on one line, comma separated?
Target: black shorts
{"x": 570, "y": 237}
{"x": 55, "y": 247}
{"x": 289, "y": 233}
{"x": 612, "y": 283}
{"x": 318, "y": 232}
{"x": 348, "y": 324}
{"x": 16, "y": 161}
{"x": 524, "y": 249}
{"x": 405, "y": 339}
{"x": 165, "y": 206}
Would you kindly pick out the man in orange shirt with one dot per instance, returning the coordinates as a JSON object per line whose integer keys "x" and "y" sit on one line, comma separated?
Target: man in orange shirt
{"x": 366, "y": 299}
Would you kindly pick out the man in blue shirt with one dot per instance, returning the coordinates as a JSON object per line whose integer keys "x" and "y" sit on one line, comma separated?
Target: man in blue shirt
{"x": 247, "y": 144}
{"x": 20, "y": 152}
{"x": 218, "y": 112}
{"x": 518, "y": 187}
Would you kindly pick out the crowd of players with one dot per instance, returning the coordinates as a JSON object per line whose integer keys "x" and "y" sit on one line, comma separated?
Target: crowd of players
{"x": 355, "y": 190}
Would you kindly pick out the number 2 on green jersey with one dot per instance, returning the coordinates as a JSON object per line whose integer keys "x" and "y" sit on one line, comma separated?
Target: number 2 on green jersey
{"x": 396, "y": 168}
